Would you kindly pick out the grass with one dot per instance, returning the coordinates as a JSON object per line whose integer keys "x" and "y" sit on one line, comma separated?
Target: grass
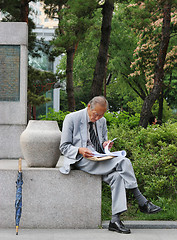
{"x": 168, "y": 205}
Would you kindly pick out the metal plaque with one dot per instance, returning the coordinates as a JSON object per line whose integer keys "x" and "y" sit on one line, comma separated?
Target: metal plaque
{"x": 9, "y": 73}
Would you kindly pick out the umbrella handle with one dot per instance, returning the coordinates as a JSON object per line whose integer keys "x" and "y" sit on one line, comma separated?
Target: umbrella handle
{"x": 20, "y": 165}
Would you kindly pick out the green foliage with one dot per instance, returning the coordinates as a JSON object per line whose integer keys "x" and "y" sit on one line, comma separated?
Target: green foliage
{"x": 36, "y": 100}
{"x": 171, "y": 91}
{"x": 135, "y": 106}
{"x": 121, "y": 48}
{"x": 146, "y": 18}
{"x": 75, "y": 18}
{"x": 106, "y": 201}
{"x": 116, "y": 119}
{"x": 122, "y": 45}
{"x": 168, "y": 205}
{"x": 153, "y": 152}
{"x": 55, "y": 116}
{"x": 37, "y": 85}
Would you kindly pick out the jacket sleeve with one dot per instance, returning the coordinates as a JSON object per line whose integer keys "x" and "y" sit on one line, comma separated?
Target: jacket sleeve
{"x": 67, "y": 147}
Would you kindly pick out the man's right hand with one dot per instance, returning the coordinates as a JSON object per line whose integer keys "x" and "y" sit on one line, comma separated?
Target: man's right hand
{"x": 86, "y": 153}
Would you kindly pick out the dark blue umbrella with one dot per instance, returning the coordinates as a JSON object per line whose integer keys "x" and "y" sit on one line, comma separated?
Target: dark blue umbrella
{"x": 18, "y": 201}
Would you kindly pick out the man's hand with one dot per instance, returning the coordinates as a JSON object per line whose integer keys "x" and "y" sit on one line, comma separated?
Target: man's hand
{"x": 85, "y": 152}
{"x": 108, "y": 142}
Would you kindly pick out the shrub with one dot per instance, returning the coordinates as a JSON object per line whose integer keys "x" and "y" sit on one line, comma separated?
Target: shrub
{"x": 153, "y": 152}
{"x": 115, "y": 118}
{"x": 55, "y": 116}
{"x": 135, "y": 106}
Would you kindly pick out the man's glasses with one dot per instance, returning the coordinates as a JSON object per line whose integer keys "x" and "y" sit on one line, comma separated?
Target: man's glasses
{"x": 96, "y": 114}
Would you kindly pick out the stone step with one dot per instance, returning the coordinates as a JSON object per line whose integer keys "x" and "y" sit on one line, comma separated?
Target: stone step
{"x": 50, "y": 199}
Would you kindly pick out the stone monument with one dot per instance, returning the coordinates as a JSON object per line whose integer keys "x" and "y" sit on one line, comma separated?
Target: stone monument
{"x": 13, "y": 87}
{"x": 49, "y": 197}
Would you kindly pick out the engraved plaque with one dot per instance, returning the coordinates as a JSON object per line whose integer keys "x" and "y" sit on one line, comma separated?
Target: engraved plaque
{"x": 9, "y": 73}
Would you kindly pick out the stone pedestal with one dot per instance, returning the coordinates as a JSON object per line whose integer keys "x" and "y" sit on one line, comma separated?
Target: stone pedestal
{"x": 13, "y": 87}
{"x": 49, "y": 198}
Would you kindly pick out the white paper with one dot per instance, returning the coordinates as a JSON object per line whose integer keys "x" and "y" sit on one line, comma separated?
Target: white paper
{"x": 108, "y": 153}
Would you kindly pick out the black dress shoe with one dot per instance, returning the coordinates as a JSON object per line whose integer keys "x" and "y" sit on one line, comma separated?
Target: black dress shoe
{"x": 118, "y": 227}
{"x": 149, "y": 208}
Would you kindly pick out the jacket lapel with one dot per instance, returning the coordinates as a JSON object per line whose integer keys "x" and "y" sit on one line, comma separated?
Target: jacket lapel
{"x": 83, "y": 128}
{"x": 99, "y": 130}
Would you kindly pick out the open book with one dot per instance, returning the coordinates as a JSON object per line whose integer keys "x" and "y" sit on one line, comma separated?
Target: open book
{"x": 107, "y": 155}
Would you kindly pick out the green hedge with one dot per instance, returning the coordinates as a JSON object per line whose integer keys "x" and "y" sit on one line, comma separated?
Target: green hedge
{"x": 55, "y": 116}
{"x": 153, "y": 152}
{"x": 112, "y": 118}
{"x": 116, "y": 119}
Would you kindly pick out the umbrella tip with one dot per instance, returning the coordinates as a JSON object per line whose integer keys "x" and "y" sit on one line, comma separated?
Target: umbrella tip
{"x": 16, "y": 230}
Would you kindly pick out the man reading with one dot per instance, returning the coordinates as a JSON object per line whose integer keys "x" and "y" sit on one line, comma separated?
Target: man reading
{"x": 84, "y": 131}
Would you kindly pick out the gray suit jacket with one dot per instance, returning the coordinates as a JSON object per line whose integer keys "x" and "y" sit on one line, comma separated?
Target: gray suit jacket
{"x": 74, "y": 136}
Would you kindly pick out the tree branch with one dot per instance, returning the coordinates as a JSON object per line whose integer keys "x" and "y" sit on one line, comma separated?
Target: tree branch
{"x": 141, "y": 94}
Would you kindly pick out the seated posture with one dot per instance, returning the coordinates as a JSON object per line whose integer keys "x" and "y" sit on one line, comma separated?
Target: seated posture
{"x": 86, "y": 130}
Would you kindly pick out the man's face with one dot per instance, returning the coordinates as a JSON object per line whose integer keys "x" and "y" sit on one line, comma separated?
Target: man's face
{"x": 96, "y": 113}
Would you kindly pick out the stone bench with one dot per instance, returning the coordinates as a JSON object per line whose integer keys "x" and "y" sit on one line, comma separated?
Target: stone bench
{"x": 50, "y": 199}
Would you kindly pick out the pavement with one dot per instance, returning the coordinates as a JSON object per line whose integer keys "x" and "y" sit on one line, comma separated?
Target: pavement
{"x": 140, "y": 230}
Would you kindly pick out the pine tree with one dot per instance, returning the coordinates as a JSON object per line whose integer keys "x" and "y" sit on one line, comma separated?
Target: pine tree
{"x": 74, "y": 17}
{"x": 102, "y": 59}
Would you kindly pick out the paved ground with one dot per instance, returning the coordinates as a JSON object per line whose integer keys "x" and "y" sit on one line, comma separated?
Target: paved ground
{"x": 140, "y": 230}
{"x": 87, "y": 234}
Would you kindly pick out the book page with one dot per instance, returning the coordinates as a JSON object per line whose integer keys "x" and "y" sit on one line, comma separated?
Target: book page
{"x": 108, "y": 153}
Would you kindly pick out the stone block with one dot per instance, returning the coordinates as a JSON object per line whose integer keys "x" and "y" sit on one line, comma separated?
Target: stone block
{"x": 50, "y": 199}
{"x": 15, "y": 33}
{"x": 10, "y": 141}
{"x": 13, "y": 87}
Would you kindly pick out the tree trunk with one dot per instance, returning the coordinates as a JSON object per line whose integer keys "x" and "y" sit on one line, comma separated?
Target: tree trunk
{"x": 160, "y": 112}
{"x": 24, "y": 10}
{"x": 100, "y": 69}
{"x": 159, "y": 68}
{"x": 69, "y": 79}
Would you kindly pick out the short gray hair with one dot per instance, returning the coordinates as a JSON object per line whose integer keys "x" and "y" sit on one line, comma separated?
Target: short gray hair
{"x": 101, "y": 100}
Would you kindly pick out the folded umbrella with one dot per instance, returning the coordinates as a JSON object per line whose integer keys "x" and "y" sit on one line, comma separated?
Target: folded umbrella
{"x": 18, "y": 201}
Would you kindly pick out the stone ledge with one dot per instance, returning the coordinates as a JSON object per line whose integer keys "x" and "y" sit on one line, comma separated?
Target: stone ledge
{"x": 146, "y": 224}
{"x": 50, "y": 199}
